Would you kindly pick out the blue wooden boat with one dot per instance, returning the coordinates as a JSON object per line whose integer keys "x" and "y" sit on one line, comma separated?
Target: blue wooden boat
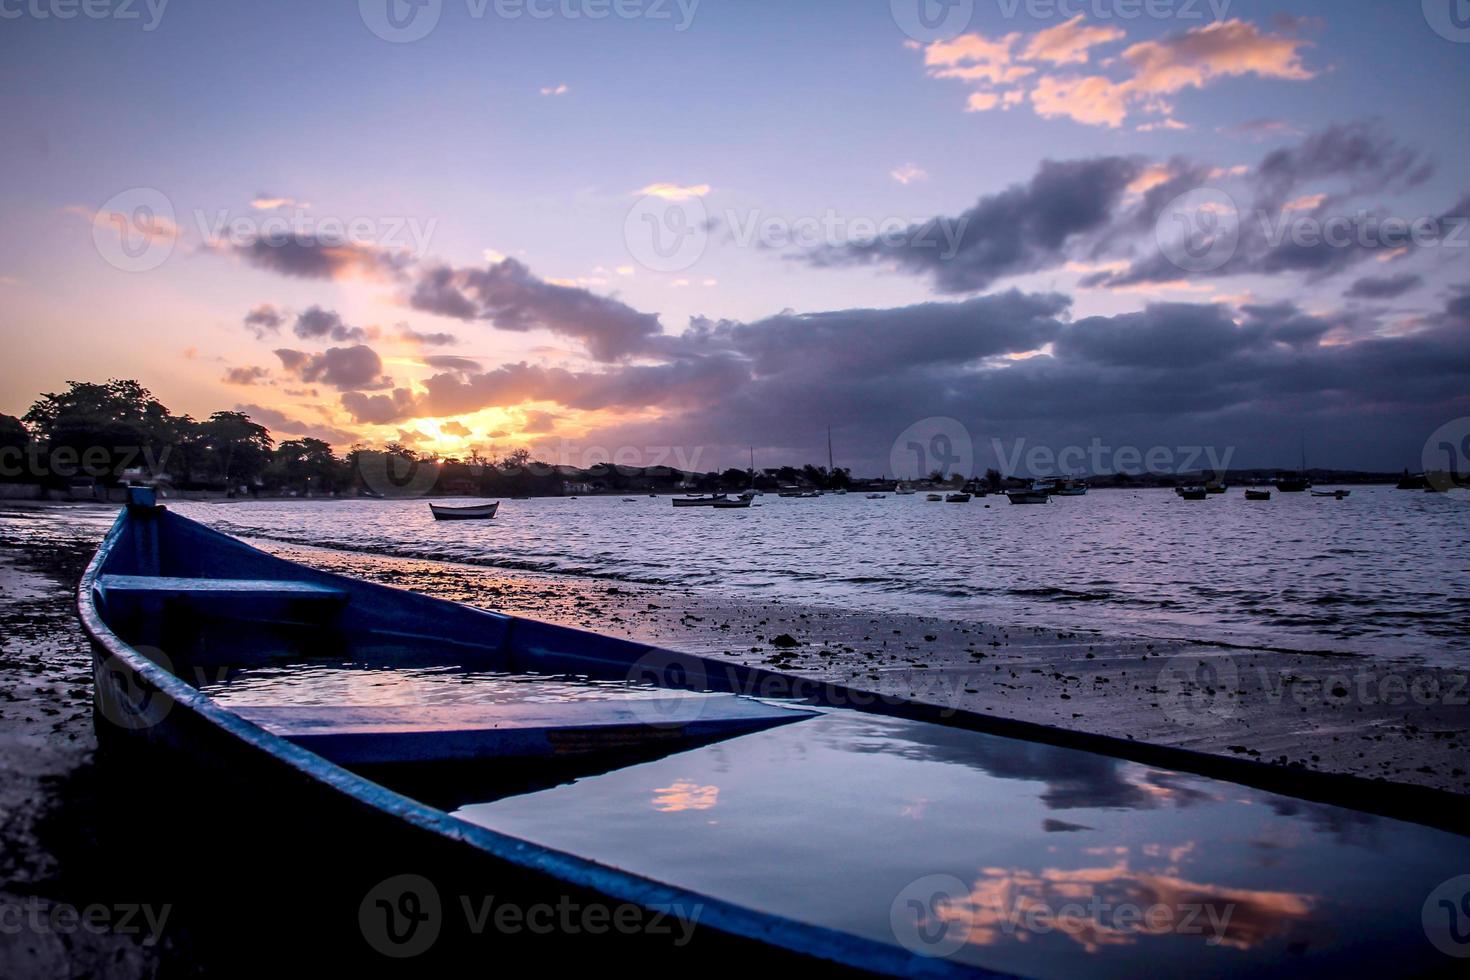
{"x": 810, "y": 825}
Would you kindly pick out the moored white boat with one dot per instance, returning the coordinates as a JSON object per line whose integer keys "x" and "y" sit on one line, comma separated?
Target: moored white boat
{"x": 483, "y": 512}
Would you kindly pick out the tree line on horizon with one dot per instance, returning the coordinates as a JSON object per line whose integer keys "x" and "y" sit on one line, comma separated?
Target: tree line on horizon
{"x": 117, "y": 432}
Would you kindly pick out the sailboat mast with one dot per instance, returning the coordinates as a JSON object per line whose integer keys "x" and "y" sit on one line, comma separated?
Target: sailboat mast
{"x": 829, "y": 449}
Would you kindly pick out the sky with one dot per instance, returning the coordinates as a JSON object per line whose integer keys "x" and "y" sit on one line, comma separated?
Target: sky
{"x": 656, "y": 232}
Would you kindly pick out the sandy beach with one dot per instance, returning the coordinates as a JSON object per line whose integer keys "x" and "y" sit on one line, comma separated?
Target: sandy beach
{"x": 1345, "y": 714}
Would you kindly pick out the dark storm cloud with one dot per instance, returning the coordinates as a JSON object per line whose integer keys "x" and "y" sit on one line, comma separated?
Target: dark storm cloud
{"x": 1384, "y": 287}
{"x": 1083, "y": 210}
{"x": 511, "y": 298}
{"x": 301, "y": 256}
{"x": 406, "y": 332}
{"x": 446, "y": 362}
{"x": 245, "y": 376}
{"x": 1360, "y": 154}
{"x": 264, "y": 319}
{"x": 1025, "y": 228}
{"x": 343, "y": 368}
{"x": 319, "y": 324}
{"x": 396, "y": 406}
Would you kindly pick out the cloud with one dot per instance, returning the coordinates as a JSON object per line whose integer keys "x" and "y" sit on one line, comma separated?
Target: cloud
{"x": 142, "y": 223}
{"x": 555, "y": 90}
{"x": 455, "y": 428}
{"x": 1361, "y": 155}
{"x": 264, "y": 319}
{"x": 1143, "y": 77}
{"x": 396, "y": 406}
{"x": 444, "y": 362}
{"x": 1023, "y": 229}
{"x": 511, "y": 298}
{"x": 1069, "y": 43}
{"x": 673, "y": 192}
{"x": 303, "y": 256}
{"x": 537, "y": 422}
{"x": 245, "y": 375}
{"x": 1262, "y": 129}
{"x": 908, "y": 174}
{"x": 343, "y": 368}
{"x": 318, "y": 324}
{"x": 405, "y": 332}
{"x": 267, "y": 202}
{"x": 281, "y": 425}
{"x": 1384, "y": 287}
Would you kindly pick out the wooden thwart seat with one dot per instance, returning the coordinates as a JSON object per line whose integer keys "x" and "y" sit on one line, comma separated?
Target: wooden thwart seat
{"x": 275, "y": 600}
{"x": 167, "y": 586}
{"x": 361, "y": 735}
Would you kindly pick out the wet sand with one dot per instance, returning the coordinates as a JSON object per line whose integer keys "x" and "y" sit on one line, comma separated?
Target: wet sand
{"x": 1338, "y": 713}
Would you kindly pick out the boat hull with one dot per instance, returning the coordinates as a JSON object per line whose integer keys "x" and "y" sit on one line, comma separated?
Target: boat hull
{"x": 343, "y": 837}
{"x": 485, "y": 513}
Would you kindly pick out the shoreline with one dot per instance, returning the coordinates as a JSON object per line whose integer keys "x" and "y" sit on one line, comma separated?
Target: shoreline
{"x": 1340, "y": 713}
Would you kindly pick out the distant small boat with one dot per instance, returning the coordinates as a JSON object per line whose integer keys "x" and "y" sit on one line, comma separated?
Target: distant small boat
{"x": 482, "y": 513}
{"x": 1258, "y": 495}
{"x": 1334, "y": 494}
{"x": 1032, "y": 496}
{"x": 709, "y": 501}
{"x": 629, "y": 500}
{"x": 958, "y": 498}
{"x": 1192, "y": 493}
{"x": 1071, "y": 488}
{"x": 801, "y": 494}
{"x": 1216, "y": 487}
{"x": 935, "y": 498}
{"x": 739, "y": 503}
{"x": 904, "y": 491}
{"x": 1420, "y": 482}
